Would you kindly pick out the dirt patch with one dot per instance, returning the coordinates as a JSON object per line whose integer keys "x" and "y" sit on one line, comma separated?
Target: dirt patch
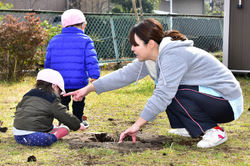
{"x": 104, "y": 140}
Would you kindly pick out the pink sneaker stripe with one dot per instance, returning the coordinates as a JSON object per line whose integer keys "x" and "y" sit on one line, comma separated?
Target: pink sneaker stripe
{"x": 220, "y": 136}
{"x": 218, "y": 128}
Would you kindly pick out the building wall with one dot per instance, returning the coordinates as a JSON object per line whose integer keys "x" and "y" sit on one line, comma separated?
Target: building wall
{"x": 55, "y": 5}
{"x": 93, "y": 6}
{"x": 183, "y": 6}
{"x": 239, "y": 36}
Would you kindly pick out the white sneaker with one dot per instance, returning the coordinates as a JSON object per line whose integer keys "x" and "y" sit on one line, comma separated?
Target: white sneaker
{"x": 212, "y": 137}
{"x": 85, "y": 123}
{"x": 180, "y": 131}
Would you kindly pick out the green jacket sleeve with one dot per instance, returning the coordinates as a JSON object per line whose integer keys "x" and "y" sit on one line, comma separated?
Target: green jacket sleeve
{"x": 62, "y": 115}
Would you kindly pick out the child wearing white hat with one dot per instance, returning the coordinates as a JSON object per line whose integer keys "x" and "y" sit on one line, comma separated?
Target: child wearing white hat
{"x": 33, "y": 123}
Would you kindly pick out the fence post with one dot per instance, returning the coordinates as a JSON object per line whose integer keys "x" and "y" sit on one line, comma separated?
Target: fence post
{"x": 165, "y": 21}
{"x": 114, "y": 38}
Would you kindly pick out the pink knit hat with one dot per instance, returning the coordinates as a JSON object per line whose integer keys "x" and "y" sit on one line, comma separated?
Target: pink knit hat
{"x": 51, "y": 76}
{"x": 72, "y": 17}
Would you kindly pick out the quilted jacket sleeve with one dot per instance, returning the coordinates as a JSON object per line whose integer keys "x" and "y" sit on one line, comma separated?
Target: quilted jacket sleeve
{"x": 60, "y": 113}
{"x": 91, "y": 61}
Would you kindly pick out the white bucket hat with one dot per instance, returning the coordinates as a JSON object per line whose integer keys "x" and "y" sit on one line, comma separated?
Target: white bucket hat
{"x": 72, "y": 17}
{"x": 51, "y": 76}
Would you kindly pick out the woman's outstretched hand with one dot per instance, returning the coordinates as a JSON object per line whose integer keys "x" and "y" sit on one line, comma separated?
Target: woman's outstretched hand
{"x": 78, "y": 95}
{"x": 132, "y": 131}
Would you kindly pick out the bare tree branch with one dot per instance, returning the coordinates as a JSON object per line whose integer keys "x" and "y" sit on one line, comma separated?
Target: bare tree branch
{"x": 141, "y": 11}
{"x": 135, "y": 10}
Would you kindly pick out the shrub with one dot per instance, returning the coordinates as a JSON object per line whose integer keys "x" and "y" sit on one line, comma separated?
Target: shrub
{"x": 51, "y": 32}
{"x": 5, "y": 6}
{"x": 19, "y": 41}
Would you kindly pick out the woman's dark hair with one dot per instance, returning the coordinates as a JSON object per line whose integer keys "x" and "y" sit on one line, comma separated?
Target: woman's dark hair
{"x": 44, "y": 86}
{"x": 151, "y": 29}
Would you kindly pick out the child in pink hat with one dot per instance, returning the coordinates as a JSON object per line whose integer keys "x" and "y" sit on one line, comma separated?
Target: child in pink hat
{"x": 33, "y": 123}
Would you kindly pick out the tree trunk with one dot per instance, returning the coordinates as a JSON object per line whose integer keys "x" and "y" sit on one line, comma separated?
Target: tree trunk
{"x": 135, "y": 10}
{"x": 8, "y": 72}
{"x": 14, "y": 70}
{"x": 141, "y": 11}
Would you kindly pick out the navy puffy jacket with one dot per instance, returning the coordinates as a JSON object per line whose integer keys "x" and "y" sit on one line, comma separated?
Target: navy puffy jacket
{"x": 73, "y": 54}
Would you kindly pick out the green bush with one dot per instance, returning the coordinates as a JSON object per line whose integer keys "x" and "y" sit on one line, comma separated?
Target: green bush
{"x": 19, "y": 41}
{"x": 5, "y": 6}
{"x": 51, "y": 32}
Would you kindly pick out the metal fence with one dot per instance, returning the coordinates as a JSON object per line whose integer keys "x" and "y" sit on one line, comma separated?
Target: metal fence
{"x": 110, "y": 31}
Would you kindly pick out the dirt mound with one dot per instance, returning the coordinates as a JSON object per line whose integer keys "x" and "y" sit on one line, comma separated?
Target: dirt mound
{"x": 104, "y": 140}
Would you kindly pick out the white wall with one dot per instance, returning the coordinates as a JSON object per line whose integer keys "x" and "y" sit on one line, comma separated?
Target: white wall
{"x": 55, "y": 5}
{"x": 183, "y": 6}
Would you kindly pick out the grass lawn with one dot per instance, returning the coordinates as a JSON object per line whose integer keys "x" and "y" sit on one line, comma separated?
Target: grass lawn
{"x": 123, "y": 106}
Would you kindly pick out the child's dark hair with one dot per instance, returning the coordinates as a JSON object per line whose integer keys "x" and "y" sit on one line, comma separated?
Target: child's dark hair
{"x": 151, "y": 29}
{"x": 44, "y": 86}
{"x": 80, "y": 24}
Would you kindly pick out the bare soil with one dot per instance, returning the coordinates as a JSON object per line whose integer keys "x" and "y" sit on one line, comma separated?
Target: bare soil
{"x": 104, "y": 140}
{"x": 144, "y": 141}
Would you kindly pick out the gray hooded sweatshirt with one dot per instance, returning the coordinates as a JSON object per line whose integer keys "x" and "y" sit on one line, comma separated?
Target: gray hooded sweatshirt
{"x": 178, "y": 63}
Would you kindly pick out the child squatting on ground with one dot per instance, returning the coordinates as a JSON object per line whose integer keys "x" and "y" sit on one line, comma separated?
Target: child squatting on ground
{"x": 33, "y": 123}
{"x": 72, "y": 53}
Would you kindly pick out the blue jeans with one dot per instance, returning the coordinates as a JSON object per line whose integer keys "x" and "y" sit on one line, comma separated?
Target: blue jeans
{"x": 196, "y": 111}
{"x": 36, "y": 139}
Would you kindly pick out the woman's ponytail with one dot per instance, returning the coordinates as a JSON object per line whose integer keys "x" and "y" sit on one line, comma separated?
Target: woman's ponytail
{"x": 175, "y": 35}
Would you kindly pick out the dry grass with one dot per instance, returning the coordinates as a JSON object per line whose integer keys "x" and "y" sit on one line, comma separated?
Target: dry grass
{"x": 124, "y": 106}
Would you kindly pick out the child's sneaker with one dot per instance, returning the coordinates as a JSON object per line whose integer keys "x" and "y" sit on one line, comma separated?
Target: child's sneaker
{"x": 60, "y": 131}
{"x": 84, "y": 121}
{"x": 213, "y": 137}
{"x": 86, "y": 124}
{"x": 180, "y": 131}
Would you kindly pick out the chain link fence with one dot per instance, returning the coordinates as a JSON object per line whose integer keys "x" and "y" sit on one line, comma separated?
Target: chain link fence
{"x": 110, "y": 31}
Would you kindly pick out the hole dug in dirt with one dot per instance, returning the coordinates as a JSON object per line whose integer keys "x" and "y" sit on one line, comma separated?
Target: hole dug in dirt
{"x": 101, "y": 137}
{"x": 104, "y": 140}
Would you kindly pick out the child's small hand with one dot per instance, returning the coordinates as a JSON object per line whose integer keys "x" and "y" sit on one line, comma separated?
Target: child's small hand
{"x": 82, "y": 127}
